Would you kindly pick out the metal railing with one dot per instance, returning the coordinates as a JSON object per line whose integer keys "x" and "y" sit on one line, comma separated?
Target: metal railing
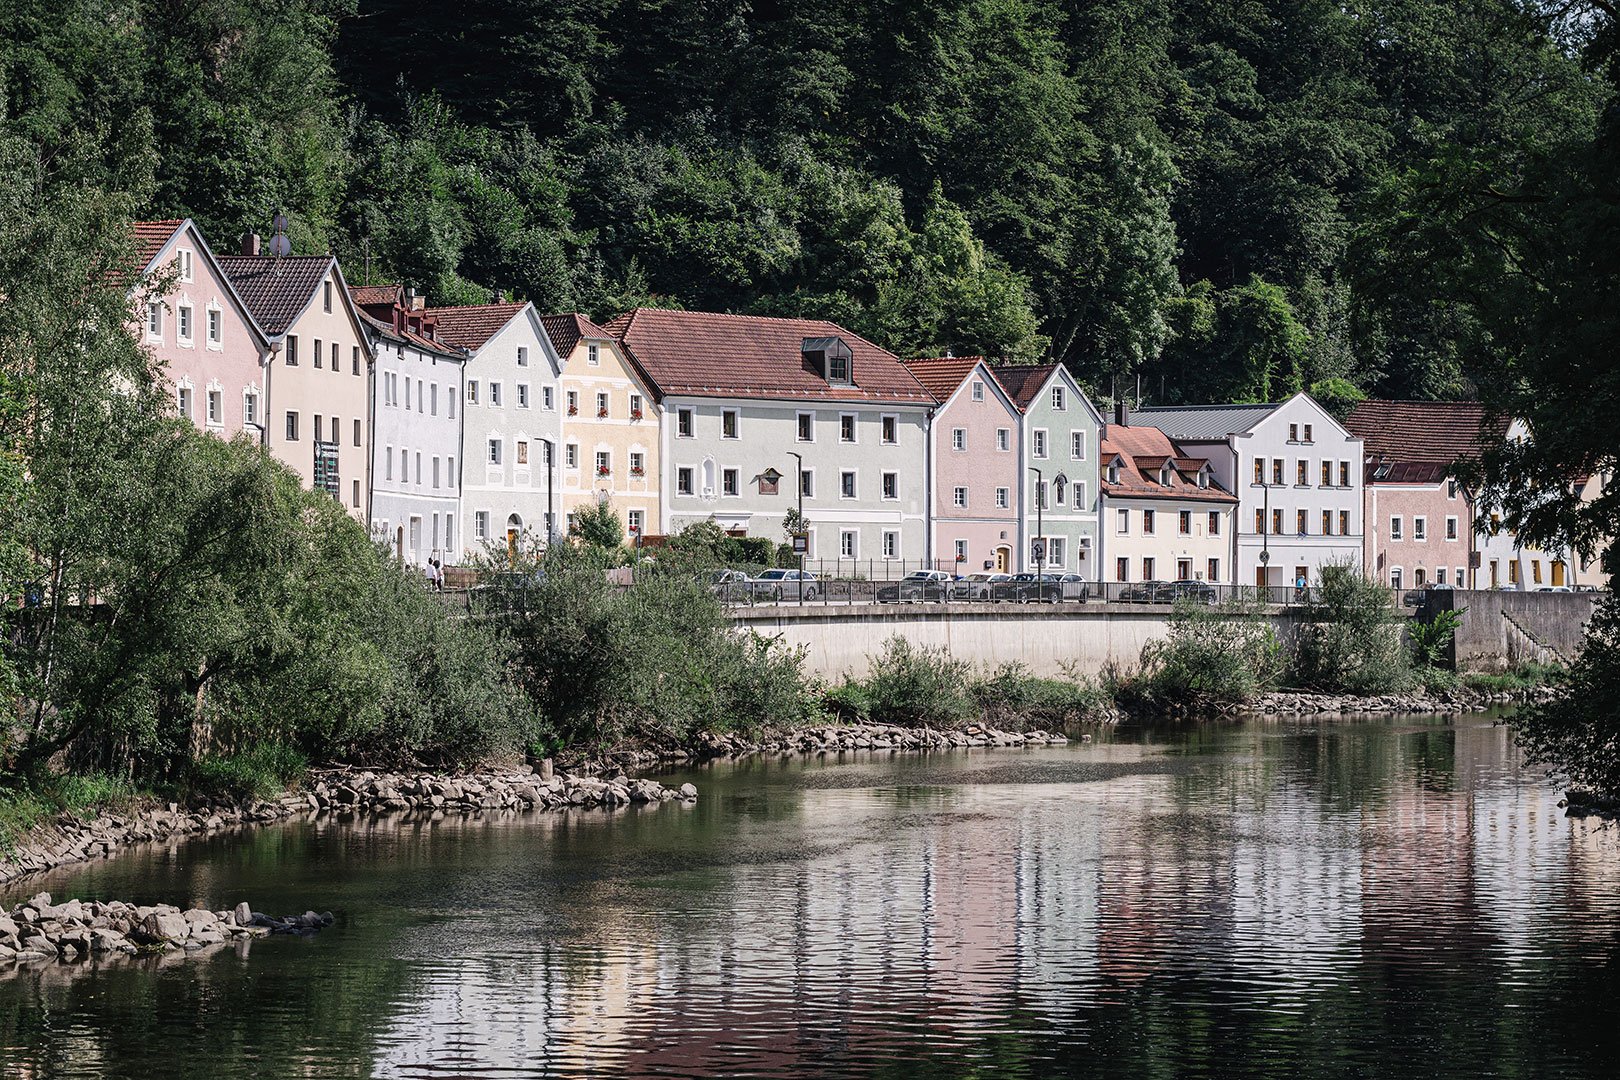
{"x": 823, "y": 592}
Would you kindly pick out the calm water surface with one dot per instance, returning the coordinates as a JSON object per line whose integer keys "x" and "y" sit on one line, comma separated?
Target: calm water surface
{"x": 1356, "y": 899}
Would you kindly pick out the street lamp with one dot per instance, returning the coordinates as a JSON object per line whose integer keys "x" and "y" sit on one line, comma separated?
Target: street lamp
{"x": 798, "y": 480}
{"x": 1040, "y": 530}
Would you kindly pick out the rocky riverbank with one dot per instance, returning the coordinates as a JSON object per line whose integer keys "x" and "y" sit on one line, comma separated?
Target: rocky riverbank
{"x": 1461, "y": 699}
{"x": 826, "y": 738}
{"x": 38, "y": 930}
{"x": 74, "y": 838}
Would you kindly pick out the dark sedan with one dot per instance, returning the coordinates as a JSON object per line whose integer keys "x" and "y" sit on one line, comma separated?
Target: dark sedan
{"x": 1029, "y": 589}
{"x": 1145, "y": 592}
{"x": 919, "y": 585}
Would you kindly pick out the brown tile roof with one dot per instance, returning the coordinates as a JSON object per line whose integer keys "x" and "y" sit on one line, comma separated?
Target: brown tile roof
{"x": 1023, "y": 381}
{"x": 941, "y": 375}
{"x": 472, "y": 326}
{"x": 379, "y": 295}
{"x": 276, "y": 290}
{"x": 706, "y": 354}
{"x": 387, "y": 330}
{"x": 565, "y": 331}
{"x": 1431, "y": 431}
{"x": 1142, "y": 451}
{"x": 150, "y": 236}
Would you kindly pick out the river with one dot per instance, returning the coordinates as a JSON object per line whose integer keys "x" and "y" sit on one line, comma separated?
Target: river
{"x": 1385, "y": 897}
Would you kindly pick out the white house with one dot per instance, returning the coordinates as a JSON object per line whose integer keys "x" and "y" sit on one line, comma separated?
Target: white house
{"x": 512, "y": 416}
{"x": 417, "y": 426}
{"x": 1297, "y": 474}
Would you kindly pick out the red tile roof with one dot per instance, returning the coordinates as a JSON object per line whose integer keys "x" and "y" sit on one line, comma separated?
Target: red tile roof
{"x": 565, "y": 331}
{"x": 705, "y": 354}
{"x": 276, "y": 290}
{"x": 379, "y": 295}
{"x": 1434, "y": 431}
{"x": 1141, "y": 452}
{"x": 941, "y": 375}
{"x": 472, "y": 326}
{"x": 150, "y": 236}
{"x": 1023, "y": 381}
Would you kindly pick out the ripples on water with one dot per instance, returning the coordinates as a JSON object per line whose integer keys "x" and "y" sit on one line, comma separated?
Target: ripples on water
{"x": 1368, "y": 899}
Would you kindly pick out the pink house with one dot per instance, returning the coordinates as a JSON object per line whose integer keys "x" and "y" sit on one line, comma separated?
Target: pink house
{"x": 973, "y": 465}
{"x": 212, "y": 351}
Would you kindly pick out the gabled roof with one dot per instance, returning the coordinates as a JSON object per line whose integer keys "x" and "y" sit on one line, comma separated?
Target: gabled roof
{"x": 565, "y": 331}
{"x": 410, "y": 337}
{"x": 1023, "y": 381}
{"x": 1203, "y": 423}
{"x": 378, "y": 295}
{"x": 942, "y": 375}
{"x": 706, "y": 354}
{"x": 276, "y": 290}
{"x": 472, "y": 326}
{"x": 1440, "y": 432}
{"x": 1141, "y": 452}
{"x": 151, "y": 237}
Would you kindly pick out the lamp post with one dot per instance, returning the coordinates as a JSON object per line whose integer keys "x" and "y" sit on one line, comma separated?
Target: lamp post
{"x": 798, "y": 480}
{"x": 1040, "y": 529}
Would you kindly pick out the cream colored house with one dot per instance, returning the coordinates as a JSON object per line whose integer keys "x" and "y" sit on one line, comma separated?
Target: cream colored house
{"x": 609, "y": 427}
{"x": 317, "y": 397}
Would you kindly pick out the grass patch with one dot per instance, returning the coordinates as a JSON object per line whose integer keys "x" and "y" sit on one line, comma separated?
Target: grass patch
{"x": 1526, "y": 676}
{"x": 33, "y": 802}
{"x": 254, "y": 774}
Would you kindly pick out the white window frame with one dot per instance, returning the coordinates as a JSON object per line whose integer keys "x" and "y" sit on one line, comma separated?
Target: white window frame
{"x": 891, "y": 544}
{"x": 154, "y": 315}
{"x": 978, "y": 389}
{"x": 522, "y": 395}
{"x": 960, "y": 550}
{"x": 250, "y": 407}
{"x": 807, "y": 482}
{"x": 1420, "y": 528}
{"x": 800, "y": 428}
{"x": 735, "y": 416}
{"x": 853, "y": 428}
{"x": 188, "y": 269}
{"x": 1003, "y": 498}
{"x": 1452, "y": 532}
{"x": 1004, "y": 439}
{"x": 184, "y": 400}
{"x": 889, "y": 429}
{"x": 1077, "y": 445}
{"x": 480, "y": 524}
{"x": 852, "y": 490}
{"x": 1122, "y": 521}
{"x": 890, "y": 482}
{"x": 593, "y": 354}
{"x": 685, "y": 480}
{"x": 214, "y": 327}
{"x": 494, "y": 394}
{"x": 731, "y": 477}
{"x": 522, "y": 356}
{"x": 959, "y": 439}
{"x": 849, "y": 544}
{"x": 495, "y": 453}
{"x": 472, "y": 391}
{"x": 1397, "y": 533}
{"x": 571, "y": 455}
{"x": 1038, "y": 444}
{"x": 1060, "y": 400}
{"x": 548, "y": 400}
{"x": 959, "y": 497}
{"x": 214, "y": 406}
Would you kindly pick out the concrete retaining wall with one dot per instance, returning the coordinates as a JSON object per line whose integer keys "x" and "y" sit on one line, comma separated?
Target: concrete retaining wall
{"x": 1083, "y": 638}
{"x": 1500, "y": 630}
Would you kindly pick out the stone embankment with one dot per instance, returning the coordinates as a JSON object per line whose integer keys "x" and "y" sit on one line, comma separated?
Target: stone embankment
{"x": 73, "y": 838}
{"x": 38, "y": 930}
{"x": 1449, "y": 701}
{"x": 831, "y": 738}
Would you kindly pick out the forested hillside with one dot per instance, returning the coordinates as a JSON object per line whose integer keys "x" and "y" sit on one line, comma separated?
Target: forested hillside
{"x": 1200, "y": 195}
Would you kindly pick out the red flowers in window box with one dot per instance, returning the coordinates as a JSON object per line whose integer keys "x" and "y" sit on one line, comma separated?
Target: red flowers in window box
{"x": 637, "y": 470}
{"x": 573, "y": 410}
{"x": 635, "y": 414}
{"x": 601, "y": 414}
{"x": 603, "y": 470}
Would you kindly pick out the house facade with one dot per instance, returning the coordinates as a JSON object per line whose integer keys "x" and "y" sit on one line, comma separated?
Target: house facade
{"x": 317, "y": 397}
{"x": 1505, "y": 561}
{"x": 1166, "y": 515}
{"x": 512, "y": 424}
{"x": 1297, "y": 474}
{"x": 753, "y": 404}
{"x": 973, "y": 456}
{"x": 1421, "y": 526}
{"x": 610, "y": 428}
{"x": 1058, "y": 492}
{"x": 213, "y": 353}
{"x": 417, "y": 458}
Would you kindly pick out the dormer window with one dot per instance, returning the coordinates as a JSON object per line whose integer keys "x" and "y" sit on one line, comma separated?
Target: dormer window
{"x": 831, "y": 358}
{"x": 1203, "y": 477}
{"x": 1164, "y": 476}
{"x": 1113, "y": 472}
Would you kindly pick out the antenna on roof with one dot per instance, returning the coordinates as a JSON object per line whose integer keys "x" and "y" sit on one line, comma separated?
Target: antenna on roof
{"x": 279, "y": 244}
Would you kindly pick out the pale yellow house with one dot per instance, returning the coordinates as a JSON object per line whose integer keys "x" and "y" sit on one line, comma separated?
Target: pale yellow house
{"x": 609, "y": 427}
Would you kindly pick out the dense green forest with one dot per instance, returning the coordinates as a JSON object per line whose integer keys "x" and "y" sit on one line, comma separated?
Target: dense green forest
{"x": 1180, "y": 193}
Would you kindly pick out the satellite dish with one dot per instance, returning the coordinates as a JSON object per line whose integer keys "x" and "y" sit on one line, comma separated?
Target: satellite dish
{"x": 279, "y": 223}
{"x": 280, "y": 245}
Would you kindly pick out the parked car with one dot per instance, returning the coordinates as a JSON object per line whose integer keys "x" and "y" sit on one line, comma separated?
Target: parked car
{"x": 785, "y": 585}
{"x": 1586, "y": 588}
{"x": 980, "y": 586}
{"x": 1145, "y": 592}
{"x": 1030, "y": 588}
{"x": 1075, "y": 586}
{"x": 1414, "y": 598}
{"x": 919, "y": 585}
{"x": 727, "y": 584}
{"x": 1555, "y": 588}
{"x": 1201, "y": 592}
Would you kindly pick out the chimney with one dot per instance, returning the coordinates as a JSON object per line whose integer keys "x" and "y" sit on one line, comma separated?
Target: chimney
{"x": 418, "y": 301}
{"x": 1122, "y": 414}
{"x": 250, "y": 243}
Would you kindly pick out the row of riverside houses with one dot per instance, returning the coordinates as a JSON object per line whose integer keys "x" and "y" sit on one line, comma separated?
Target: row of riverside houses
{"x": 446, "y": 428}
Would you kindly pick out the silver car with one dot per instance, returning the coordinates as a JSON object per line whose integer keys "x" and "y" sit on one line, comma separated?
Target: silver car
{"x": 785, "y": 585}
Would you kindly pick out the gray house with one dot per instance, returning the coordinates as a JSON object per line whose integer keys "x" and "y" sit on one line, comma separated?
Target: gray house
{"x": 761, "y": 412}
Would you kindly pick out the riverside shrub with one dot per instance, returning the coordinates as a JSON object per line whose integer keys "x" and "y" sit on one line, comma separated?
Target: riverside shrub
{"x": 1213, "y": 657}
{"x": 1351, "y": 642}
